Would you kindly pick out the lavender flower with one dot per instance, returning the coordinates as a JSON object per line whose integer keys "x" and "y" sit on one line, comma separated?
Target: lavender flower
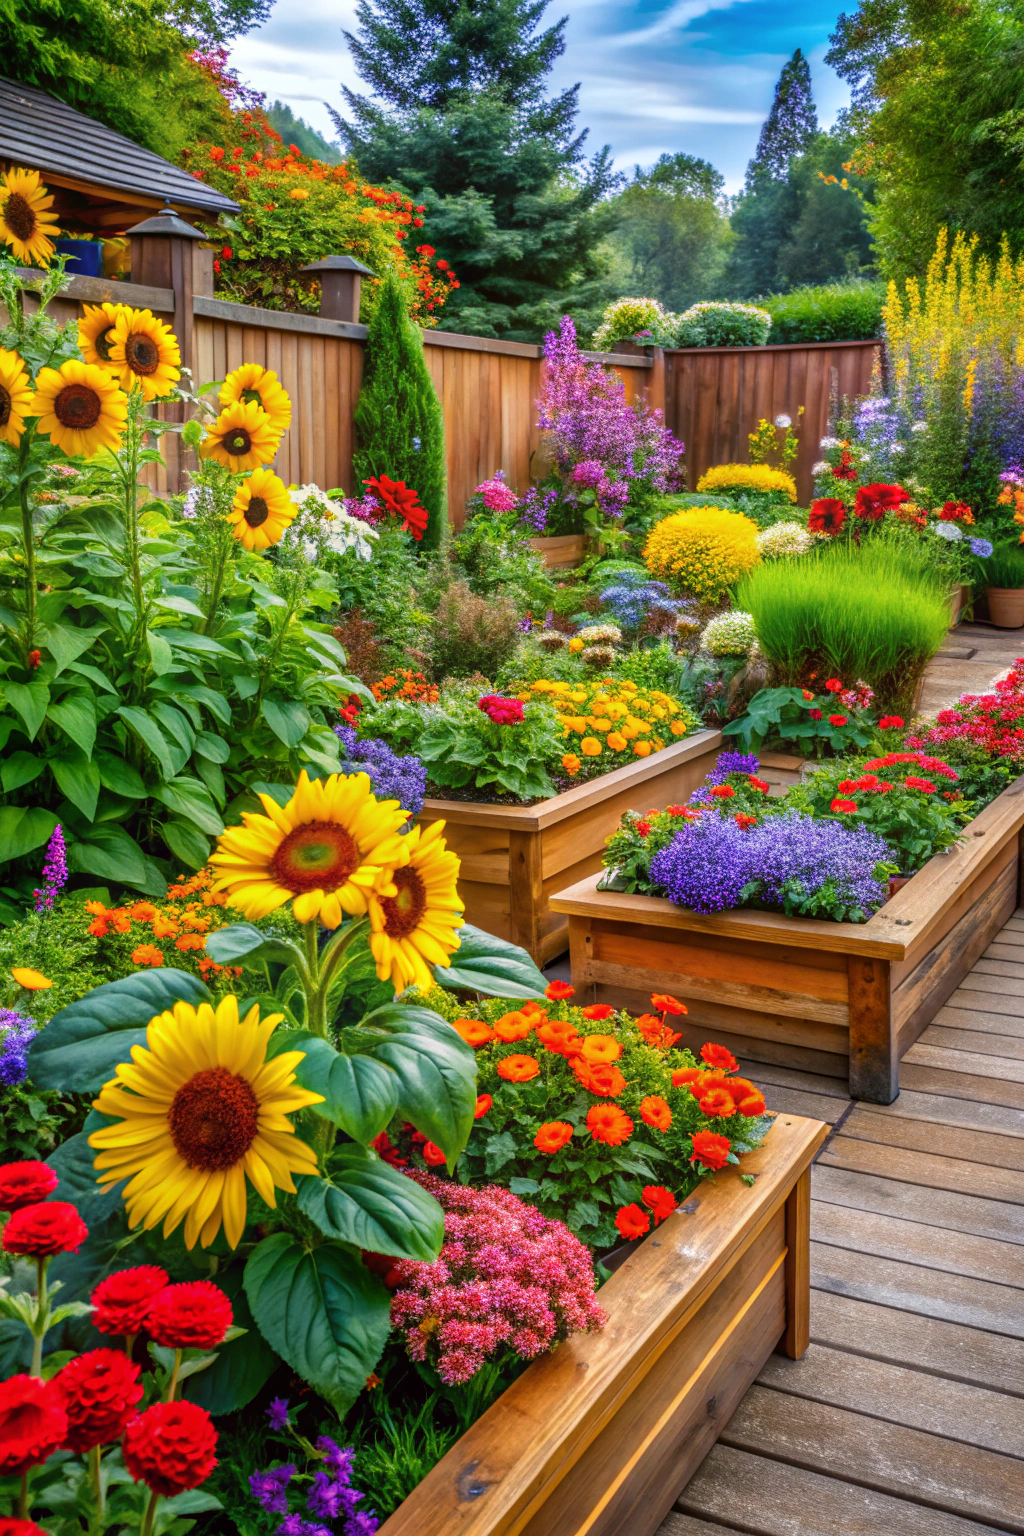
{"x": 535, "y": 508}
{"x": 391, "y": 777}
{"x": 277, "y": 1413}
{"x": 55, "y": 871}
{"x": 588, "y": 473}
{"x": 732, "y": 762}
{"x": 337, "y": 1461}
{"x": 17, "y": 1032}
{"x": 270, "y": 1488}
{"x": 706, "y": 866}
{"x": 325, "y": 1497}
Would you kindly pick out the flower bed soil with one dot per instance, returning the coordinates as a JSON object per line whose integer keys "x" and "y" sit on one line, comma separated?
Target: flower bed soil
{"x": 515, "y": 857}
{"x": 840, "y": 999}
{"x": 601, "y": 1435}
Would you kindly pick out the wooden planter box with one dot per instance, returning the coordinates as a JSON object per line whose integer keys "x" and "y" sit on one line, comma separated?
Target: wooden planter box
{"x": 560, "y": 549}
{"x": 833, "y": 998}
{"x": 514, "y": 857}
{"x": 600, "y": 1437}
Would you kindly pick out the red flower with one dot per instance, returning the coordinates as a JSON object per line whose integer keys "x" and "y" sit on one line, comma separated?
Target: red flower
{"x": 955, "y": 511}
{"x": 42, "y": 1230}
{"x": 558, "y": 991}
{"x": 171, "y": 1447}
{"x": 827, "y": 515}
{"x": 759, "y": 784}
{"x": 25, "y": 1184}
{"x": 664, "y": 1002}
{"x": 501, "y": 711}
{"x": 661, "y": 1202}
{"x": 837, "y": 720}
{"x": 718, "y": 1056}
{"x": 433, "y": 1155}
{"x": 716, "y": 1101}
{"x": 122, "y": 1300}
{"x": 891, "y": 723}
{"x": 874, "y": 501}
{"x": 743, "y": 821}
{"x": 193, "y": 1315}
{"x": 632, "y": 1222}
{"x": 723, "y": 791}
{"x": 924, "y": 785}
{"x": 381, "y": 1144}
{"x": 20, "y": 1528}
{"x": 709, "y": 1150}
{"x": 99, "y": 1391}
{"x": 833, "y": 685}
{"x": 35, "y": 659}
{"x": 32, "y": 1424}
{"x": 815, "y": 714}
{"x": 845, "y": 469}
{"x": 598, "y": 1011}
{"x": 402, "y": 500}
{"x": 643, "y": 828}
{"x": 483, "y": 1104}
{"x": 843, "y": 807}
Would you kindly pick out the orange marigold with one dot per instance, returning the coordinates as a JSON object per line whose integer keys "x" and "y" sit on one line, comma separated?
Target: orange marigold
{"x": 656, "y": 1033}
{"x": 709, "y": 1150}
{"x": 608, "y": 1123}
{"x": 654, "y": 1111}
{"x": 190, "y": 941}
{"x": 598, "y": 1077}
{"x": 474, "y": 1031}
{"x": 717, "y": 1102}
{"x": 553, "y": 1136}
{"x": 559, "y": 1036}
{"x": 147, "y": 954}
{"x": 598, "y": 1011}
{"x": 558, "y": 991}
{"x": 664, "y": 1002}
{"x": 513, "y": 1026}
{"x": 518, "y": 1069}
{"x": 600, "y": 1048}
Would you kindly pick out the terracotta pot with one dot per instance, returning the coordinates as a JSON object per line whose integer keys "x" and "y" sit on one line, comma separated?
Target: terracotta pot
{"x": 959, "y": 601}
{"x": 1006, "y": 607}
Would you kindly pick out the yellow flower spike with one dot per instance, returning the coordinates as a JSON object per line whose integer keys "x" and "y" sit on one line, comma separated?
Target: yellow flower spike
{"x": 80, "y": 408}
{"x": 415, "y": 927}
{"x": 256, "y": 385}
{"x": 15, "y": 397}
{"x": 27, "y": 222}
{"x": 32, "y": 981}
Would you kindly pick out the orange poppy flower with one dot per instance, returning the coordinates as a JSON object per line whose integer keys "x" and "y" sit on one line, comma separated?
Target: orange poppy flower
{"x": 518, "y": 1069}
{"x": 656, "y": 1033}
{"x": 552, "y": 1136}
{"x": 559, "y": 1036}
{"x": 717, "y": 1102}
{"x": 513, "y": 1026}
{"x": 661, "y": 1202}
{"x": 164, "y": 927}
{"x": 718, "y": 1056}
{"x": 598, "y": 1077}
{"x": 688, "y": 1077}
{"x": 598, "y": 1011}
{"x": 751, "y": 1103}
{"x": 709, "y": 1150}
{"x": 535, "y": 1011}
{"x": 664, "y": 1002}
{"x": 632, "y": 1222}
{"x": 607, "y": 1123}
{"x": 655, "y": 1112}
{"x": 474, "y": 1032}
{"x": 600, "y": 1048}
{"x": 558, "y": 991}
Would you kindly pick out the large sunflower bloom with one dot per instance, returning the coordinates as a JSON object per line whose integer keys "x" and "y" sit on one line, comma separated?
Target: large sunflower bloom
{"x": 80, "y": 408}
{"x": 415, "y": 928}
{"x": 144, "y": 351}
{"x": 26, "y": 220}
{"x": 329, "y": 848}
{"x": 261, "y": 510}
{"x": 260, "y": 386}
{"x": 199, "y": 1110}
{"x": 241, "y": 438}
{"x": 95, "y": 332}
{"x": 15, "y": 397}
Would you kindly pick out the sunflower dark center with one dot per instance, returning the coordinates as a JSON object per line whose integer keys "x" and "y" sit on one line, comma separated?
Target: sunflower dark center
{"x": 257, "y": 512}
{"x": 103, "y": 341}
{"x": 19, "y": 217}
{"x": 252, "y": 397}
{"x": 319, "y": 856}
{"x": 5, "y": 406}
{"x": 141, "y": 354}
{"x": 237, "y": 441}
{"x": 214, "y": 1119}
{"x": 403, "y": 911}
{"x": 77, "y": 406}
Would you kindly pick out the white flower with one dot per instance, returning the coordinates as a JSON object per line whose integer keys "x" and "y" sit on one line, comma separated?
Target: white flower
{"x": 600, "y": 634}
{"x": 783, "y": 539}
{"x": 345, "y": 532}
{"x": 821, "y": 468}
{"x": 783, "y": 421}
{"x": 829, "y": 442}
{"x": 919, "y": 426}
{"x": 898, "y": 448}
{"x": 948, "y": 531}
{"x": 730, "y": 634}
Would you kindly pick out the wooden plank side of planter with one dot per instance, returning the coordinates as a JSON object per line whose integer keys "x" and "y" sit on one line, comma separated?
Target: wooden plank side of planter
{"x": 597, "y": 1438}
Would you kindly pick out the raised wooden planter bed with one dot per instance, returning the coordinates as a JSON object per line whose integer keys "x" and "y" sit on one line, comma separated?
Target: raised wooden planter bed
{"x": 559, "y": 550}
{"x": 833, "y": 998}
{"x": 514, "y": 857}
{"x": 599, "y": 1437}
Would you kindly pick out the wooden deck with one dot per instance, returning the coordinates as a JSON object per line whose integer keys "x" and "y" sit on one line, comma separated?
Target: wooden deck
{"x": 906, "y": 1415}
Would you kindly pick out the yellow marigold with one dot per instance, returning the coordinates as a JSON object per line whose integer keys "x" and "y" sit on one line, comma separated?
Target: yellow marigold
{"x": 590, "y": 746}
{"x": 642, "y": 748}
{"x": 575, "y": 645}
{"x": 617, "y": 741}
{"x": 571, "y": 764}
{"x": 702, "y": 551}
{"x": 749, "y": 477}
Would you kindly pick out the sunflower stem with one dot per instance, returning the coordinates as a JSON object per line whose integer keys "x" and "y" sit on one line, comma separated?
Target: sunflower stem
{"x": 220, "y": 571}
{"x": 129, "y": 463}
{"x": 329, "y": 962}
{"x": 311, "y": 944}
{"x": 28, "y": 537}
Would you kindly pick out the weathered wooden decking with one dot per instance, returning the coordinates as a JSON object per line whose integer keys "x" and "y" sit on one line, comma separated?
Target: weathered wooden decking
{"x": 906, "y": 1416}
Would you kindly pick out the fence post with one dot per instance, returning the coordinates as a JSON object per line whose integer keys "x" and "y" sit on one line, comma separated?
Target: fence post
{"x": 654, "y": 386}
{"x": 340, "y": 281}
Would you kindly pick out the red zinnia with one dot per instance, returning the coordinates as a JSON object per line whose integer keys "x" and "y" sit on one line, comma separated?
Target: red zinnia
{"x": 99, "y": 1391}
{"x": 25, "y": 1184}
{"x": 402, "y": 500}
{"x": 661, "y": 1202}
{"x": 433, "y": 1154}
{"x": 171, "y": 1447}
{"x": 483, "y": 1104}
{"x": 121, "y": 1301}
{"x": 710, "y": 1150}
{"x": 833, "y": 685}
{"x": 41, "y": 1230}
{"x": 718, "y": 1056}
{"x": 193, "y": 1315}
{"x": 827, "y": 515}
{"x": 20, "y": 1528}
{"x": 32, "y": 1424}
{"x": 558, "y": 991}
{"x": 874, "y": 501}
{"x": 598, "y": 1011}
{"x": 815, "y": 714}
{"x": 632, "y": 1222}
{"x": 925, "y": 785}
{"x": 837, "y": 720}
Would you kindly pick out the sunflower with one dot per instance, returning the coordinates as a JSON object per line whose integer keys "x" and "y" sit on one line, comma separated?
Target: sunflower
{"x": 415, "y": 928}
{"x": 261, "y": 510}
{"x": 26, "y": 221}
{"x": 80, "y": 408}
{"x": 259, "y": 386}
{"x": 329, "y": 848}
{"x": 95, "y": 332}
{"x": 242, "y": 437}
{"x": 15, "y": 397}
{"x": 144, "y": 351}
{"x": 200, "y": 1108}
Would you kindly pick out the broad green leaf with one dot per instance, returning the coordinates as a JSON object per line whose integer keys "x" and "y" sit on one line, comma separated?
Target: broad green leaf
{"x": 189, "y": 799}
{"x": 185, "y": 640}
{"x": 151, "y": 736}
{"x": 175, "y": 725}
{"x": 23, "y": 828}
{"x": 78, "y": 779}
{"x": 213, "y": 747}
{"x": 160, "y": 653}
{"x": 65, "y": 644}
{"x": 214, "y": 701}
{"x": 435, "y": 1069}
{"x": 368, "y": 1203}
{"x": 119, "y": 776}
{"x": 322, "y": 1311}
{"x": 245, "y": 686}
{"x": 212, "y": 776}
{"x": 186, "y": 842}
{"x": 73, "y": 1163}
{"x": 19, "y": 769}
{"x": 76, "y": 716}
{"x": 288, "y": 719}
{"x": 242, "y": 941}
{"x": 111, "y": 853}
{"x": 29, "y": 700}
{"x": 483, "y": 963}
{"x": 361, "y": 1095}
{"x": 83, "y": 1043}
{"x": 180, "y": 605}
{"x": 94, "y": 675}
{"x": 242, "y": 1367}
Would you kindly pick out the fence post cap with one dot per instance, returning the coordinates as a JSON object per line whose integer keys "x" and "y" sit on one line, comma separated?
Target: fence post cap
{"x": 338, "y": 264}
{"x": 168, "y": 222}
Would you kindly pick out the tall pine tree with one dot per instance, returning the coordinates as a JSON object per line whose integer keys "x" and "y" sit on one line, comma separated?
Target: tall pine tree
{"x": 790, "y": 125}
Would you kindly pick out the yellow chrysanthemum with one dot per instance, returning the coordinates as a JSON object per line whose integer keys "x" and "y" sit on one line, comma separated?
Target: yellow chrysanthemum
{"x": 702, "y": 551}
{"x": 748, "y": 477}
{"x": 331, "y": 846}
{"x": 261, "y": 510}
{"x": 95, "y": 331}
{"x": 259, "y": 386}
{"x": 241, "y": 438}
{"x": 144, "y": 351}
{"x": 27, "y": 223}
{"x": 199, "y": 1110}
{"x": 415, "y": 928}
{"x": 80, "y": 407}
{"x": 15, "y": 397}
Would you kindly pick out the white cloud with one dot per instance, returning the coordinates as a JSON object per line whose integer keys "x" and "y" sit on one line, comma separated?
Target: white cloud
{"x": 676, "y": 19}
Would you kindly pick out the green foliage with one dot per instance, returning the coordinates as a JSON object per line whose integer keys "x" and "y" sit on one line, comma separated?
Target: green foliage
{"x": 720, "y": 323}
{"x": 491, "y": 550}
{"x": 491, "y": 966}
{"x": 791, "y": 123}
{"x": 295, "y": 130}
{"x": 31, "y": 1121}
{"x": 472, "y": 634}
{"x": 787, "y": 716}
{"x": 463, "y": 748}
{"x": 399, "y": 425}
{"x": 385, "y": 590}
{"x": 1003, "y": 568}
{"x": 838, "y": 311}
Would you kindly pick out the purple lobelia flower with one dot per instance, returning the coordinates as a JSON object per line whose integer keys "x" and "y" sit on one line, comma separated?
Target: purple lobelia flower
{"x": 17, "y": 1032}
{"x": 55, "y": 870}
{"x": 391, "y": 777}
{"x": 732, "y": 762}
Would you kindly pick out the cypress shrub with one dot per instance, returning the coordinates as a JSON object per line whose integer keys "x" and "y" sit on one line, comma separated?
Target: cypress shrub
{"x": 399, "y": 424}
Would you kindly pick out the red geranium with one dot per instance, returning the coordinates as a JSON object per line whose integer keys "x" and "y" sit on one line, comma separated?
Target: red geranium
{"x": 99, "y": 1391}
{"x": 743, "y": 821}
{"x": 632, "y": 1222}
{"x": 718, "y": 1056}
{"x": 833, "y": 685}
{"x": 843, "y": 807}
{"x": 723, "y": 791}
{"x": 193, "y": 1315}
{"x": 710, "y": 1150}
{"x": 891, "y": 723}
{"x": 121, "y": 1301}
{"x": 502, "y": 711}
{"x": 874, "y": 501}
{"x": 402, "y": 500}
{"x": 171, "y": 1447}
{"x": 387, "y": 1153}
{"x": 558, "y": 991}
{"x": 827, "y": 515}
{"x": 41, "y": 1230}
{"x": 845, "y": 469}
{"x": 32, "y": 1424}
{"x": 25, "y": 1184}
{"x": 661, "y": 1202}
{"x": 837, "y": 720}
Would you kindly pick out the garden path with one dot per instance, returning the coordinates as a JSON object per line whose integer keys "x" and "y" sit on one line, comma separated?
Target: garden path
{"x": 972, "y": 656}
{"x": 906, "y": 1415}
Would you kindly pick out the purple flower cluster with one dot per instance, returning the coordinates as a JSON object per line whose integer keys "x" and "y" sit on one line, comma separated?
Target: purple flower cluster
{"x": 17, "y": 1032}
{"x": 535, "y": 508}
{"x": 634, "y": 598}
{"x": 366, "y": 508}
{"x": 331, "y": 1497}
{"x": 55, "y": 871}
{"x": 732, "y": 762}
{"x": 391, "y": 777}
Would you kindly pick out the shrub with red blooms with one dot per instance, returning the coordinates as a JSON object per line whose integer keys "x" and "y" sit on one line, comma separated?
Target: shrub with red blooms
{"x": 25, "y": 1184}
{"x": 502, "y": 711}
{"x": 896, "y": 796}
{"x": 121, "y": 1301}
{"x": 171, "y": 1447}
{"x": 983, "y": 724}
{"x": 193, "y": 1315}
{"x": 33, "y": 1424}
{"x": 39, "y": 1231}
{"x": 507, "y": 1280}
{"x": 99, "y": 1391}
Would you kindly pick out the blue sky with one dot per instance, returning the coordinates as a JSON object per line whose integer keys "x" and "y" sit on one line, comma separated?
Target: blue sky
{"x": 695, "y": 75}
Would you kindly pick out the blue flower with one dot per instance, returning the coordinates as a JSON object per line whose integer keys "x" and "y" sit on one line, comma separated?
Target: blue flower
{"x": 391, "y": 777}
{"x": 982, "y": 548}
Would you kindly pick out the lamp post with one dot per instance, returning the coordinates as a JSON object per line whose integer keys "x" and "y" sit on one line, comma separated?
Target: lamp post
{"x": 340, "y": 281}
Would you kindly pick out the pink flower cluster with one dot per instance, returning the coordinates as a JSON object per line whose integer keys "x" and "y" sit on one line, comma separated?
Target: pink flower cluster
{"x": 497, "y": 496}
{"x": 993, "y": 721}
{"x": 502, "y": 711}
{"x": 506, "y": 1278}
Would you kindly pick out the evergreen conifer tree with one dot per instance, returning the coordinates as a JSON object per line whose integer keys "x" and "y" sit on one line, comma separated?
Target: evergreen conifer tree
{"x": 790, "y": 125}
{"x": 399, "y": 424}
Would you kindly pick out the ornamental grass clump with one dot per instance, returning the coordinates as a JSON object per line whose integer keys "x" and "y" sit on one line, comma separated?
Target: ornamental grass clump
{"x": 702, "y": 551}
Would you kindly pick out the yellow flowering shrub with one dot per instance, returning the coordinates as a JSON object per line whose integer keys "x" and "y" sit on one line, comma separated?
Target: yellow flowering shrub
{"x": 702, "y": 551}
{"x": 609, "y": 721}
{"x": 748, "y": 477}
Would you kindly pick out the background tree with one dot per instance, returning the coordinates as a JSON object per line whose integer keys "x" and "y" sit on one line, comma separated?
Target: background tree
{"x": 673, "y": 236}
{"x": 295, "y": 130}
